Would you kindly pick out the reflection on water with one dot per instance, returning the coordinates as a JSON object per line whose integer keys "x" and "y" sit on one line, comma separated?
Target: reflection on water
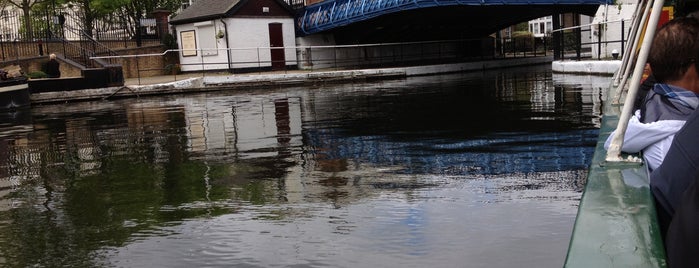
{"x": 477, "y": 170}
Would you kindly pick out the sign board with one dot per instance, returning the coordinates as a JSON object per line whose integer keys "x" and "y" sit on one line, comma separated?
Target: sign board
{"x": 189, "y": 43}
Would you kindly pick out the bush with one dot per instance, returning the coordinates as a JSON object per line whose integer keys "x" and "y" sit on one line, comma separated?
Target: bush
{"x": 37, "y": 75}
{"x": 172, "y": 68}
{"x": 169, "y": 41}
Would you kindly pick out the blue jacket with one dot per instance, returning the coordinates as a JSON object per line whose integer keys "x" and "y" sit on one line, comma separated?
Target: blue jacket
{"x": 667, "y": 102}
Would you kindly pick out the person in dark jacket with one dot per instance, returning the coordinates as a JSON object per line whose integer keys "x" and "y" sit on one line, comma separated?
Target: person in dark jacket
{"x": 677, "y": 180}
{"x": 673, "y": 97}
{"x": 53, "y": 69}
{"x": 680, "y": 164}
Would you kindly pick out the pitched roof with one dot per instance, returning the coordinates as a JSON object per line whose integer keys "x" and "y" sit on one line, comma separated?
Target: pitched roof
{"x": 204, "y": 10}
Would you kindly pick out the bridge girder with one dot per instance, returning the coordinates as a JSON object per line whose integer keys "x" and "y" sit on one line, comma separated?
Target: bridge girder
{"x": 469, "y": 18}
{"x": 449, "y": 22}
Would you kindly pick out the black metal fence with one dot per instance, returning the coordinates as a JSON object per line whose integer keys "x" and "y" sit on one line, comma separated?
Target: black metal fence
{"x": 64, "y": 31}
{"x": 344, "y": 57}
{"x": 594, "y": 40}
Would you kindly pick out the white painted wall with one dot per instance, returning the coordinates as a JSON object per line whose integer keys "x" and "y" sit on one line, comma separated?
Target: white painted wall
{"x": 308, "y": 57}
{"x": 250, "y": 39}
{"x": 248, "y": 43}
{"x": 611, "y": 16}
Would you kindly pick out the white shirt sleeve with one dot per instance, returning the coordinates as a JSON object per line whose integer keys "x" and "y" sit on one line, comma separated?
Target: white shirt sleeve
{"x": 641, "y": 135}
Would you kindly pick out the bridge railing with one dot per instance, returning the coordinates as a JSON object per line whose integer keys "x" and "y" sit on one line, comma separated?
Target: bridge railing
{"x": 328, "y": 14}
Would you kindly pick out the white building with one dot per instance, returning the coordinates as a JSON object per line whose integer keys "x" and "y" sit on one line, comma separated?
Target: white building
{"x": 235, "y": 34}
{"x": 609, "y": 35}
{"x": 10, "y": 18}
{"x": 541, "y": 27}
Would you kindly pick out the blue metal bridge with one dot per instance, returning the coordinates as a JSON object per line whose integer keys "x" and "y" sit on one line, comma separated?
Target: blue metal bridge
{"x": 460, "y": 17}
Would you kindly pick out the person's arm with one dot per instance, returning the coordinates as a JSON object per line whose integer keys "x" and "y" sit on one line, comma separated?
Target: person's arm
{"x": 640, "y": 135}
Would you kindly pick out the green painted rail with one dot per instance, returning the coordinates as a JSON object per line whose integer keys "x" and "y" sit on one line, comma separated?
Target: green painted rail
{"x": 616, "y": 223}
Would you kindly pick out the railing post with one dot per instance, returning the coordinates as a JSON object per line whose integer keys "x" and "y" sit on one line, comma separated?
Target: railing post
{"x": 599, "y": 41}
{"x": 578, "y": 42}
{"x": 2, "y": 48}
{"x": 557, "y": 40}
{"x": 622, "y": 36}
{"x": 138, "y": 71}
{"x": 16, "y": 50}
{"x": 310, "y": 56}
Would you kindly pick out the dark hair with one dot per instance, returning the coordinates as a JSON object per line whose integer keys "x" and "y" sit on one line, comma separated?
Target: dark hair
{"x": 675, "y": 47}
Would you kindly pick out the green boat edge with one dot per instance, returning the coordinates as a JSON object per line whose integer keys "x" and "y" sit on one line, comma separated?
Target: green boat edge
{"x": 616, "y": 223}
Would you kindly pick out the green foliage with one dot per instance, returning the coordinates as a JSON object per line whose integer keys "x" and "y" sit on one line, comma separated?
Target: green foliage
{"x": 104, "y": 7}
{"x": 172, "y": 68}
{"x": 37, "y": 75}
{"x": 522, "y": 41}
{"x": 570, "y": 40}
{"x": 522, "y": 27}
{"x": 522, "y": 34}
{"x": 169, "y": 41}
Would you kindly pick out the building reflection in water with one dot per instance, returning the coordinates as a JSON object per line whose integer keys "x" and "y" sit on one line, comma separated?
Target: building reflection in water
{"x": 244, "y": 130}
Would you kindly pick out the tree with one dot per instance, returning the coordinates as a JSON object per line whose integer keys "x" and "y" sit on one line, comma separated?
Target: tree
{"x": 26, "y": 7}
{"x": 120, "y": 12}
{"x": 92, "y": 10}
{"x": 138, "y": 9}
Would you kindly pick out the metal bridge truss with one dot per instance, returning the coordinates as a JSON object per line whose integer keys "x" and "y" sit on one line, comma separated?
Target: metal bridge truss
{"x": 330, "y": 14}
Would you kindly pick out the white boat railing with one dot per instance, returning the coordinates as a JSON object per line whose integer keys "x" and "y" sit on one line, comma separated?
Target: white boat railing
{"x": 638, "y": 16}
{"x": 614, "y": 151}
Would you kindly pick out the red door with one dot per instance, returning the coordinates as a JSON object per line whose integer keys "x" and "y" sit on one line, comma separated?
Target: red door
{"x": 276, "y": 44}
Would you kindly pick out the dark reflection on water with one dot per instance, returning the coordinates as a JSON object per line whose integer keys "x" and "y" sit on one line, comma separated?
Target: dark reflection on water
{"x": 476, "y": 170}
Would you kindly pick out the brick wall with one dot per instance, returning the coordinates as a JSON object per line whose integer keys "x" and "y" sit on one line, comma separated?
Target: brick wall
{"x": 34, "y": 64}
{"x": 148, "y": 65}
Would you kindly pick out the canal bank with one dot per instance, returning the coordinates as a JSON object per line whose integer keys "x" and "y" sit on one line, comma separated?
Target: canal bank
{"x": 202, "y": 82}
{"x": 592, "y": 67}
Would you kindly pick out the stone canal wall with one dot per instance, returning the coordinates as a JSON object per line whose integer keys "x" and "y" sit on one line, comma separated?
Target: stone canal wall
{"x": 238, "y": 81}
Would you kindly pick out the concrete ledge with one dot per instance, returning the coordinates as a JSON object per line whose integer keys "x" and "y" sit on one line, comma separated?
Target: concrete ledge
{"x": 227, "y": 82}
{"x": 604, "y": 67}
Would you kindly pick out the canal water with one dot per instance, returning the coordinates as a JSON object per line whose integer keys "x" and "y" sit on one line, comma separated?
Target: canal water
{"x": 480, "y": 169}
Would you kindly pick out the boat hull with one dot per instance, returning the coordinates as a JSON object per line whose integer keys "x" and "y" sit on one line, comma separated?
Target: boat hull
{"x": 14, "y": 94}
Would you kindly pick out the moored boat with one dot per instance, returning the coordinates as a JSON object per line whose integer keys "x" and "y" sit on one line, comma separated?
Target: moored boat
{"x": 14, "y": 90}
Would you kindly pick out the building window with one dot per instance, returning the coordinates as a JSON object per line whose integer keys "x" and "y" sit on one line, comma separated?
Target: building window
{"x": 185, "y": 4}
{"x": 541, "y": 28}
